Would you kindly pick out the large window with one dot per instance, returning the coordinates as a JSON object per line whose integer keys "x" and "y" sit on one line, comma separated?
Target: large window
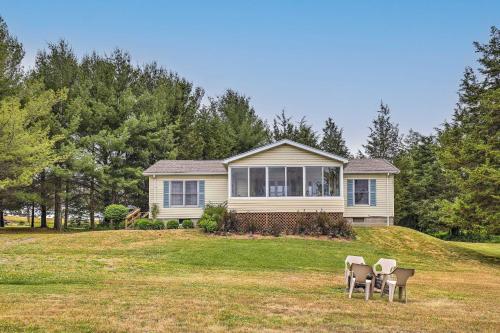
{"x": 314, "y": 181}
{"x": 277, "y": 182}
{"x": 177, "y": 193}
{"x": 294, "y": 181}
{"x": 257, "y": 182}
{"x": 281, "y": 181}
{"x": 191, "y": 193}
{"x": 239, "y": 182}
{"x": 331, "y": 177}
{"x": 361, "y": 192}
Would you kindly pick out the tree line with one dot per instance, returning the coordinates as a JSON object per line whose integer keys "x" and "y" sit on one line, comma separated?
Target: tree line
{"x": 76, "y": 134}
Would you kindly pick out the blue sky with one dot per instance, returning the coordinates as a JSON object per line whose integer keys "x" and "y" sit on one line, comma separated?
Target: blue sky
{"x": 312, "y": 58}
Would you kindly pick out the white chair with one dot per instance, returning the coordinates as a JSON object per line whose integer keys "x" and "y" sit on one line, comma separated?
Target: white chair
{"x": 349, "y": 260}
{"x": 386, "y": 267}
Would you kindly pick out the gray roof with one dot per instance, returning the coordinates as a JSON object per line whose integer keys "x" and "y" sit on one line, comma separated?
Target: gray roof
{"x": 203, "y": 167}
{"x": 370, "y": 165}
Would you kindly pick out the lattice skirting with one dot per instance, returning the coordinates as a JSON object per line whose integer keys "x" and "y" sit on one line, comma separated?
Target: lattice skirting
{"x": 282, "y": 222}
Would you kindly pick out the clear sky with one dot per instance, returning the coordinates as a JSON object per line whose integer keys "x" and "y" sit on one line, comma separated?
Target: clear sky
{"x": 312, "y": 58}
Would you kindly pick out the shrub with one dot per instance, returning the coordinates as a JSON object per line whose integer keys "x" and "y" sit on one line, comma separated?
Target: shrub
{"x": 208, "y": 224}
{"x": 173, "y": 224}
{"x": 229, "y": 221}
{"x": 146, "y": 224}
{"x": 116, "y": 214}
{"x": 187, "y": 224}
{"x": 155, "y": 210}
{"x": 342, "y": 228}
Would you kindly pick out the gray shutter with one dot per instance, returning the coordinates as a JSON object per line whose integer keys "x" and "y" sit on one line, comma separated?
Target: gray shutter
{"x": 373, "y": 192}
{"x": 201, "y": 194}
{"x": 350, "y": 192}
{"x": 166, "y": 194}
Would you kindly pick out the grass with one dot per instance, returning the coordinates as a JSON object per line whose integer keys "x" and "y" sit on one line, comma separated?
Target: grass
{"x": 183, "y": 280}
{"x": 22, "y": 221}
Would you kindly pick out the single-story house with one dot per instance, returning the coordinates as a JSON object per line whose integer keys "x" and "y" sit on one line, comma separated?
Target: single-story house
{"x": 278, "y": 182}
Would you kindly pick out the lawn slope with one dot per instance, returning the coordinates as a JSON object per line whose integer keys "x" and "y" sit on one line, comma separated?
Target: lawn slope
{"x": 143, "y": 281}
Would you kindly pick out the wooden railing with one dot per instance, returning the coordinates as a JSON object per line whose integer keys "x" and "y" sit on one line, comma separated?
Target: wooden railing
{"x": 133, "y": 216}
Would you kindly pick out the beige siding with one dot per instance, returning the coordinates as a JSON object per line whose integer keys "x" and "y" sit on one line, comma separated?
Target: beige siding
{"x": 285, "y": 155}
{"x": 246, "y": 205}
{"x": 385, "y": 197}
{"x": 215, "y": 192}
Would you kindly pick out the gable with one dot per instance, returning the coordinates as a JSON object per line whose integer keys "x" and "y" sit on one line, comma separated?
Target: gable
{"x": 285, "y": 154}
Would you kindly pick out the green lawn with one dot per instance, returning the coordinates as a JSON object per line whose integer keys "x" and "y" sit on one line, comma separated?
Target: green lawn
{"x": 183, "y": 280}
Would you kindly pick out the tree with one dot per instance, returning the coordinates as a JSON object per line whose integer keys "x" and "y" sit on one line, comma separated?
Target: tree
{"x": 420, "y": 184}
{"x": 11, "y": 55}
{"x": 333, "y": 140}
{"x": 469, "y": 146}
{"x": 384, "y": 140}
{"x": 57, "y": 69}
{"x": 284, "y": 128}
{"x": 25, "y": 146}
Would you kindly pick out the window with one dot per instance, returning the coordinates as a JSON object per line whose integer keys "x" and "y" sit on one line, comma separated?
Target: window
{"x": 361, "y": 192}
{"x": 276, "y": 181}
{"x": 177, "y": 193}
{"x": 331, "y": 177}
{"x": 314, "y": 182}
{"x": 257, "y": 182}
{"x": 239, "y": 182}
{"x": 191, "y": 193}
{"x": 294, "y": 181}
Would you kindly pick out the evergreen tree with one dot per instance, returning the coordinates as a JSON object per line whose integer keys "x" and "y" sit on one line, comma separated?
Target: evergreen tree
{"x": 333, "y": 140}
{"x": 469, "y": 146}
{"x": 284, "y": 128}
{"x": 11, "y": 55}
{"x": 384, "y": 140}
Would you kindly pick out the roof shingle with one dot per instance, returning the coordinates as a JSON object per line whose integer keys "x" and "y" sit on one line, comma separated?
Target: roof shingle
{"x": 370, "y": 165}
{"x": 186, "y": 167}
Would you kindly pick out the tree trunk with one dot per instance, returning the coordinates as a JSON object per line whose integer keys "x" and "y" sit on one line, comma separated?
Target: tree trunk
{"x": 43, "y": 205}
{"x": 2, "y": 221}
{"x": 57, "y": 204}
{"x": 92, "y": 204}
{"x": 33, "y": 214}
{"x": 66, "y": 205}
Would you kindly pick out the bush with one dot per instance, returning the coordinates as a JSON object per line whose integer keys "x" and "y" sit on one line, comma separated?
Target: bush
{"x": 229, "y": 221}
{"x": 146, "y": 224}
{"x": 173, "y": 224}
{"x": 155, "y": 210}
{"x": 208, "y": 224}
{"x": 187, "y": 224}
{"x": 116, "y": 214}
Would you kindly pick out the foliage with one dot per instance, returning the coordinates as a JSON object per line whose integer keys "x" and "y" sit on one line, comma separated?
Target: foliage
{"x": 187, "y": 224}
{"x": 25, "y": 146}
{"x": 384, "y": 140}
{"x": 155, "y": 210}
{"x": 208, "y": 224}
{"x": 116, "y": 213}
{"x": 173, "y": 224}
{"x": 147, "y": 224}
{"x": 11, "y": 55}
{"x": 285, "y": 128}
{"x": 333, "y": 140}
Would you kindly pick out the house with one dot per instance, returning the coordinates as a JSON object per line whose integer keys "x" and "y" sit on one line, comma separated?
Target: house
{"x": 278, "y": 182}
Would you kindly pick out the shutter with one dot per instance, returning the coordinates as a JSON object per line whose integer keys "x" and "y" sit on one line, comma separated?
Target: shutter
{"x": 166, "y": 194}
{"x": 201, "y": 193}
{"x": 350, "y": 192}
{"x": 373, "y": 192}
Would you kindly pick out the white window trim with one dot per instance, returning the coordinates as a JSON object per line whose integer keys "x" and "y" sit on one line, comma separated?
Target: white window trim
{"x": 184, "y": 193}
{"x": 302, "y": 197}
{"x": 354, "y": 192}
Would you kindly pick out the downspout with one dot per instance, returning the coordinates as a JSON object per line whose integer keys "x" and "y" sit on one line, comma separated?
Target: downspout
{"x": 387, "y": 197}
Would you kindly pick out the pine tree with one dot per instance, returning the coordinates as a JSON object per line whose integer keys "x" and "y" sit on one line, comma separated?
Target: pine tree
{"x": 384, "y": 140}
{"x": 469, "y": 146}
{"x": 333, "y": 140}
{"x": 284, "y": 128}
{"x": 11, "y": 55}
